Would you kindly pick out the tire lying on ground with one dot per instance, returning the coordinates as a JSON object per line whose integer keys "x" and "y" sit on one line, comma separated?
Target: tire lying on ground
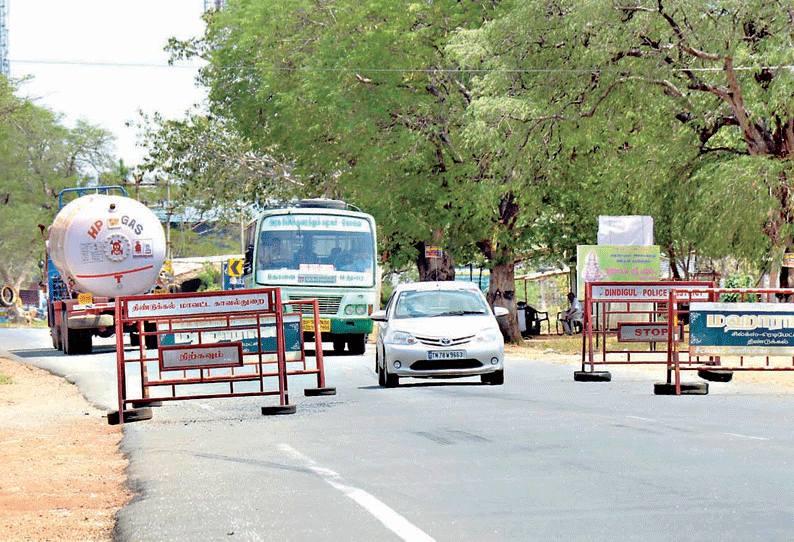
{"x": 716, "y": 375}
{"x": 130, "y": 415}
{"x": 688, "y": 388}
{"x": 7, "y": 296}
{"x": 592, "y": 376}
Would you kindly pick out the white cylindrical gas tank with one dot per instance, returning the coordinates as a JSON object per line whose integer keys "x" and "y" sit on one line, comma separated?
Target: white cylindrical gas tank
{"x": 107, "y": 245}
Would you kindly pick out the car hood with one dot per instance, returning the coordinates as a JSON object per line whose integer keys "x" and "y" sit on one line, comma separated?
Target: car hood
{"x": 445, "y": 326}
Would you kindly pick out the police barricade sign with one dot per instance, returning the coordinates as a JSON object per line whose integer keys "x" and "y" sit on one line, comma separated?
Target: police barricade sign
{"x": 620, "y": 316}
{"x": 210, "y": 345}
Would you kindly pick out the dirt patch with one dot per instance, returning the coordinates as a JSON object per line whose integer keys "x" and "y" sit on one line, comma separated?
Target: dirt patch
{"x": 567, "y": 350}
{"x": 62, "y": 476}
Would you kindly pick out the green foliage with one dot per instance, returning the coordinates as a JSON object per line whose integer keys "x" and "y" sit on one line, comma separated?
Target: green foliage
{"x": 209, "y": 165}
{"x": 636, "y": 109}
{"x": 211, "y": 278}
{"x": 739, "y": 281}
{"x": 364, "y": 100}
{"x": 501, "y": 130}
{"x": 39, "y": 156}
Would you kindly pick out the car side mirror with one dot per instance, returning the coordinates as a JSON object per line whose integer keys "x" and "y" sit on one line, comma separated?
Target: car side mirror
{"x": 500, "y": 311}
{"x": 378, "y": 316}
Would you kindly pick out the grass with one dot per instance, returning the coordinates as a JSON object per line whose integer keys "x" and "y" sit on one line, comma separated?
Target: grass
{"x": 572, "y": 344}
{"x": 562, "y": 344}
{"x": 6, "y": 379}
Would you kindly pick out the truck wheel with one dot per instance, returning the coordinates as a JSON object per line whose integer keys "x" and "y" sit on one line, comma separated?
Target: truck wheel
{"x": 7, "y": 296}
{"x": 150, "y": 340}
{"x": 78, "y": 342}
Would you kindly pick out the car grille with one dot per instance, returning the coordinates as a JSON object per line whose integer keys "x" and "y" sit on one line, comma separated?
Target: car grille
{"x": 442, "y": 364}
{"x": 441, "y": 343}
{"x": 327, "y": 304}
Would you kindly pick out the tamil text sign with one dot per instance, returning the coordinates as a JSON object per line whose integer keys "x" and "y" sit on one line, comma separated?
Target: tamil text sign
{"x": 599, "y": 263}
{"x": 657, "y": 292}
{"x": 195, "y": 305}
{"x": 741, "y": 329}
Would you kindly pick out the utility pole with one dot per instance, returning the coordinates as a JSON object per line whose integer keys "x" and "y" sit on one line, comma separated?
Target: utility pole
{"x": 216, "y": 5}
{"x": 5, "y": 69}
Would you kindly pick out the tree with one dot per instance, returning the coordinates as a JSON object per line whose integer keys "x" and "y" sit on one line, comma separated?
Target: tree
{"x": 211, "y": 165}
{"x": 38, "y": 157}
{"x": 363, "y": 99}
{"x": 712, "y": 83}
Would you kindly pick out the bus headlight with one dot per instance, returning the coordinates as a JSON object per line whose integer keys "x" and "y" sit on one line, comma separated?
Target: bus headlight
{"x": 360, "y": 310}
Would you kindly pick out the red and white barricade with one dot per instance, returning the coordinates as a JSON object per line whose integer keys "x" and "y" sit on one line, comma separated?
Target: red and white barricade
{"x": 210, "y": 345}
{"x": 626, "y": 323}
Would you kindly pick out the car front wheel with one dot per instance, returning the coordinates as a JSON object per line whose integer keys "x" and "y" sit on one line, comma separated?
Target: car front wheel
{"x": 494, "y": 379}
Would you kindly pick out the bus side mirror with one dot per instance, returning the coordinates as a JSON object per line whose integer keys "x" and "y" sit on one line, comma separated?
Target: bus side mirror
{"x": 248, "y": 262}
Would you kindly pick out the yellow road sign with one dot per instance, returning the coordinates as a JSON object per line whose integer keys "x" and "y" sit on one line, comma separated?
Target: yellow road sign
{"x": 236, "y": 267}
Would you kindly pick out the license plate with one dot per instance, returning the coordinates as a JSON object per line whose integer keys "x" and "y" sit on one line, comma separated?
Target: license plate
{"x": 85, "y": 299}
{"x": 446, "y": 354}
{"x": 325, "y": 324}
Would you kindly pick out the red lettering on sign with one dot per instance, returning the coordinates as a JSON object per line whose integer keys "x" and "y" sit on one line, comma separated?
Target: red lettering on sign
{"x": 95, "y": 229}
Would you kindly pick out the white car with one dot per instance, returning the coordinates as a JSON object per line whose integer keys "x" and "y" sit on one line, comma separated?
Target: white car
{"x": 438, "y": 330}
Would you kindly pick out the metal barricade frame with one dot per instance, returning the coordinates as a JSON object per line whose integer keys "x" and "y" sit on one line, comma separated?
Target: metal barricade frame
{"x": 210, "y": 339}
{"x": 625, "y": 296}
{"x": 757, "y": 300}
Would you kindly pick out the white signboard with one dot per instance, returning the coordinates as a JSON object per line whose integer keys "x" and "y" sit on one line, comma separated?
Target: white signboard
{"x": 645, "y": 332}
{"x": 650, "y": 293}
{"x": 199, "y": 356}
{"x": 192, "y": 305}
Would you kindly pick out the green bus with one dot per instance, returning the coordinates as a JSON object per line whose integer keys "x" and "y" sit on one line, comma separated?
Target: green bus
{"x": 319, "y": 249}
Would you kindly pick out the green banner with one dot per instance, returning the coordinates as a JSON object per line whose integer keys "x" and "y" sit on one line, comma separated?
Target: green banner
{"x": 604, "y": 263}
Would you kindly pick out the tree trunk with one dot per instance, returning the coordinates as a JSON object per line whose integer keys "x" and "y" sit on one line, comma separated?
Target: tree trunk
{"x": 434, "y": 269}
{"x": 502, "y": 294}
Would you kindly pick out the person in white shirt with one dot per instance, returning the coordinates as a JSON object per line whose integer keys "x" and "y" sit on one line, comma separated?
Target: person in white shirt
{"x": 573, "y": 314}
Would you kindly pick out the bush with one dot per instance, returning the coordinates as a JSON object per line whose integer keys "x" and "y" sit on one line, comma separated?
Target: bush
{"x": 739, "y": 281}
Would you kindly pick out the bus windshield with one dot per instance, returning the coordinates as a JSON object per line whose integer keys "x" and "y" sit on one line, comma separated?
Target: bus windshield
{"x": 320, "y": 250}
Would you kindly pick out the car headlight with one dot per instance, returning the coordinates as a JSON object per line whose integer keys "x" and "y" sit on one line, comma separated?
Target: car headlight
{"x": 401, "y": 337}
{"x": 488, "y": 336}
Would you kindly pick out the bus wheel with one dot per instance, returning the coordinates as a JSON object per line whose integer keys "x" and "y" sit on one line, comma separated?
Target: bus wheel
{"x": 339, "y": 347}
{"x": 357, "y": 345}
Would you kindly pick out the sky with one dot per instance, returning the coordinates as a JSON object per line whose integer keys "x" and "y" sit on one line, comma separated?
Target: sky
{"x": 103, "y": 60}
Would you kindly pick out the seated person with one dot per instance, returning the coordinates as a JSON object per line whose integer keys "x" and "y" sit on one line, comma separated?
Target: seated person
{"x": 271, "y": 255}
{"x": 571, "y": 315}
{"x": 356, "y": 260}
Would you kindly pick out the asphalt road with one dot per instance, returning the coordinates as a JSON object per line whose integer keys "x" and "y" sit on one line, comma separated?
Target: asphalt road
{"x": 540, "y": 458}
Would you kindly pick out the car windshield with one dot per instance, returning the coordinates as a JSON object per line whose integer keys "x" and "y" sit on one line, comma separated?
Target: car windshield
{"x": 418, "y": 304}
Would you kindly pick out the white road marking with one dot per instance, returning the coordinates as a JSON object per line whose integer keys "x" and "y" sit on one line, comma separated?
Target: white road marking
{"x": 746, "y": 436}
{"x": 736, "y": 435}
{"x": 388, "y": 517}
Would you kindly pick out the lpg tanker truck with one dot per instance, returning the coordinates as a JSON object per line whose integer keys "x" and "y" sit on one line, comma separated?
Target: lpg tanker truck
{"x": 100, "y": 246}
